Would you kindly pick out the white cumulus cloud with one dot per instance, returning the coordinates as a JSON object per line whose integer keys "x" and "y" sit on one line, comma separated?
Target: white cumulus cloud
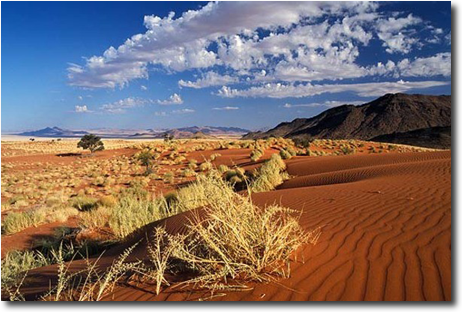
{"x": 82, "y": 109}
{"x": 208, "y": 80}
{"x": 121, "y": 106}
{"x": 183, "y": 111}
{"x": 226, "y": 108}
{"x": 279, "y": 91}
{"x": 174, "y": 99}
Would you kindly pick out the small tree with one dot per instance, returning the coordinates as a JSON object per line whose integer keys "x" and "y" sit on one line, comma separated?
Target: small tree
{"x": 168, "y": 137}
{"x": 91, "y": 142}
{"x": 147, "y": 157}
{"x": 303, "y": 141}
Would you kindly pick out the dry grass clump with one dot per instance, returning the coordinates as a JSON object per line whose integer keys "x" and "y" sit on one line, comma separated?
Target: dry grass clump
{"x": 256, "y": 154}
{"x": 206, "y": 189}
{"x": 192, "y": 164}
{"x": 169, "y": 177}
{"x": 56, "y": 211}
{"x": 235, "y": 176}
{"x": 83, "y": 203}
{"x": 187, "y": 173}
{"x": 95, "y": 284}
{"x": 17, "y": 221}
{"x": 89, "y": 284}
{"x": 95, "y": 219}
{"x": 214, "y": 156}
{"x": 205, "y": 166}
{"x": 223, "y": 168}
{"x": 269, "y": 175}
{"x": 285, "y": 154}
{"x": 232, "y": 239}
{"x": 15, "y": 263}
{"x": 132, "y": 213}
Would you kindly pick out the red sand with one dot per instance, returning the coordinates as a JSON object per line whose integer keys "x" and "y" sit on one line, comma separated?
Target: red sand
{"x": 28, "y": 238}
{"x": 386, "y": 233}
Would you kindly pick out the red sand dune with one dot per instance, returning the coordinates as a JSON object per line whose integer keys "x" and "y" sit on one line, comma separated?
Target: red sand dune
{"x": 386, "y": 233}
{"x": 28, "y": 238}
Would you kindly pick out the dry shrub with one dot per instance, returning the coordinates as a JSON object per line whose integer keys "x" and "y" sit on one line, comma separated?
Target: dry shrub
{"x": 132, "y": 213}
{"x": 17, "y": 221}
{"x": 15, "y": 263}
{"x": 205, "y": 166}
{"x": 89, "y": 284}
{"x": 108, "y": 201}
{"x": 206, "y": 189}
{"x": 159, "y": 255}
{"x": 232, "y": 238}
{"x": 269, "y": 175}
{"x": 96, "y": 218}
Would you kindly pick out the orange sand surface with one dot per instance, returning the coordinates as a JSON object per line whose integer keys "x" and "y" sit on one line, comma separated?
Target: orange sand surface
{"x": 386, "y": 233}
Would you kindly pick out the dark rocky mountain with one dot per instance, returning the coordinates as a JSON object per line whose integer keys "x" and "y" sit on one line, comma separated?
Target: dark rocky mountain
{"x": 54, "y": 132}
{"x": 434, "y": 137}
{"x": 390, "y": 114}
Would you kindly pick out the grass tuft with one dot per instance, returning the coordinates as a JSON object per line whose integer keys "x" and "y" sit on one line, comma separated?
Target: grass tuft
{"x": 269, "y": 175}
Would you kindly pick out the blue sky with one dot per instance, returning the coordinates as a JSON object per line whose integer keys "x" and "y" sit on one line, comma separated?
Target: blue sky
{"x": 136, "y": 65}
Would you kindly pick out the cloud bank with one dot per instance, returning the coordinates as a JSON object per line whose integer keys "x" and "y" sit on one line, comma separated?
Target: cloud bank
{"x": 275, "y": 49}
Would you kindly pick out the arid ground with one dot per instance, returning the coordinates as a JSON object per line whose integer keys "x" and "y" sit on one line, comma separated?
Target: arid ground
{"x": 381, "y": 213}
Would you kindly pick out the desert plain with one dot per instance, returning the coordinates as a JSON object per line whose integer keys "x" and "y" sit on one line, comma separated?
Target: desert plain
{"x": 365, "y": 220}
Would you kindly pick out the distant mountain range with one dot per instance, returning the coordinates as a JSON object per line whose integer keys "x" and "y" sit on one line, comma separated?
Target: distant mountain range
{"x": 178, "y": 133}
{"x": 422, "y": 120}
{"x": 190, "y": 132}
{"x": 54, "y": 132}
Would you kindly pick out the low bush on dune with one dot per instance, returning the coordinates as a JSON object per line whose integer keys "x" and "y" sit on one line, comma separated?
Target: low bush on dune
{"x": 269, "y": 175}
{"x": 83, "y": 203}
{"x": 206, "y": 189}
{"x": 17, "y": 221}
{"x": 214, "y": 156}
{"x": 15, "y": 263}
{"x": 256, "y": 154}
{"x": 287, "y": 153}
{"x": 132, "y": 213}
{"x": 235, "y": 176}
{"x": 95, "y": 219}
{"x": 205, "y": 166}
{"x": 232, "y": 239}
{"x": 223, "y": 168}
